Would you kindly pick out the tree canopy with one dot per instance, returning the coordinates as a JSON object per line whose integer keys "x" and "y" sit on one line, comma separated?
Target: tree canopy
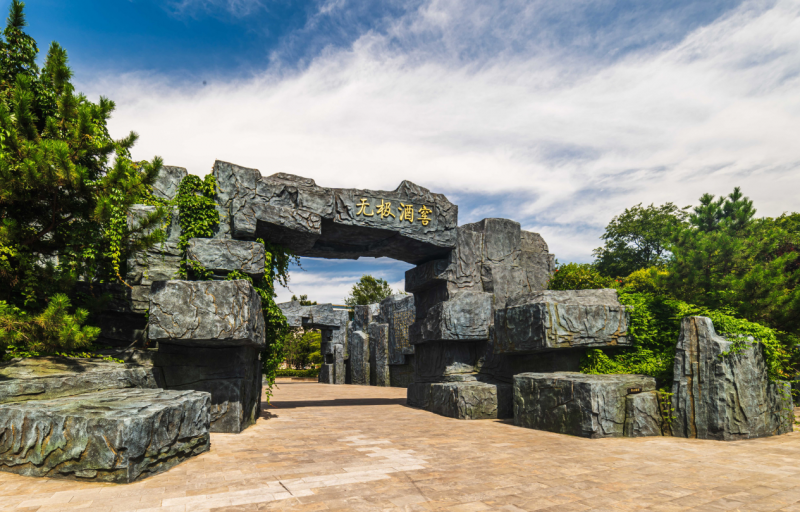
{"x": 368, "y": 290}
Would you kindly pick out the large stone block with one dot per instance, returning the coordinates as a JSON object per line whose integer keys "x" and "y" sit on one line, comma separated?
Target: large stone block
{"x": 561, "y": 319}
{"x": 471, "y": 400}
{"x": 723, "y": 393}
{"x": 642, "y": 415}
{"x": 206, "y": 313}
{"x": 232, "y": 375}
{"x": 223, "y": 256}
{"x": 168, "y": 181}
{"x": 467, "y": 316}
{"x": 338, "y": 364}
{"x": 418, "y": 394}
{"x": 45, "y": 378}
{"x": 445, "y": 361}
{"x": 326, "y": 373}
{"x": 398, "y": 312}
{"x": 318, "y": 316}
{"x": 575, "y": 403}
{"x": 379, "y": 354}
{"x": 359, "y": 358}
{"x": 119, "y": 435}
{"x": 402, "y": 375}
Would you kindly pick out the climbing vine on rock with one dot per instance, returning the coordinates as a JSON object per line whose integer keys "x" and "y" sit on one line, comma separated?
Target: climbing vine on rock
{"x": 198, "y": 217}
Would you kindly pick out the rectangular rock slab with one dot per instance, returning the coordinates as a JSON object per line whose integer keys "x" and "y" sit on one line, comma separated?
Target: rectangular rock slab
{"x": 232, "y": 375}
{"x": 471, "y": 400}
{"x": 118, "y": 436}
{"x": 359, "y": 358}
{"x": 642, "y": 415}
{"x": 575, "y": 403}
{"x": 223, "y": 256}
{"x": 45, "y": 378}
{"x": 379, "y": 355}
{"x": 326, "y": 374}
{"x": 724, "y": 395}
{"x": 466, "y": 316}
{"x": 338, "y": 365}
{"x": 561, "y": 319}
{"x": 206, "y": 314}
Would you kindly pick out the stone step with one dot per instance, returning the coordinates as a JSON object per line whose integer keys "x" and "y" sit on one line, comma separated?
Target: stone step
{"x": 46, "y": 378}
{"x": 119, "y": 435}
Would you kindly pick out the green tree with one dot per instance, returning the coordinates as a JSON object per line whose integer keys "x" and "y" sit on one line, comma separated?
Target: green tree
{"x": 368, "y": 290}
{"x": 65, "y": 184}
{"x": 303, "y": 300}
{"x": 303, "y": 348}
{"x": 640, "y": 237}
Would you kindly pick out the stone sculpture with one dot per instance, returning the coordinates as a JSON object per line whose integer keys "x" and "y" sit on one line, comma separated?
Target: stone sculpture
{"x": 722, "y": 392}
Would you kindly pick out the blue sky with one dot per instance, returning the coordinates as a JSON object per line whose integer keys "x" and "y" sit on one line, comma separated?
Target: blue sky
{"x": 557, "y": 114}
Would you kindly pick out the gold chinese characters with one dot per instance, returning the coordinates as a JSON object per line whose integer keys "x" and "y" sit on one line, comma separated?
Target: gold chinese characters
{"x": 384, "y": 209}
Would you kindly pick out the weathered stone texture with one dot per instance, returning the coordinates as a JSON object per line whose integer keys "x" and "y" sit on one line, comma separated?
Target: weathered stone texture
{"x": 398, "y": 312}
{"x": 168, "y": 181}
{"x": 359, "y": 347}
{"x": 117, "y": 435}
{"x": 206, "y": 313}
{"x": 338, "y": 364}
{"x": 446, "y": 361}
{"x": 402, "y": 375}
{"x": 223, "y": 256}
{"x": 471, "y": 400}
{"x": 379, "y": 354}
{"x": 561, "y": 319}
{"x": 466, "y": 316}
{"x": 575, "y": 403}
{"x": 329, "y": 223}
{"x": 45, "y": 378}
{"x": 419, "y": 395}
{"x": 724, "y": 394}
{"x": 232, "y": 375}
{"x": 642, "y": 415}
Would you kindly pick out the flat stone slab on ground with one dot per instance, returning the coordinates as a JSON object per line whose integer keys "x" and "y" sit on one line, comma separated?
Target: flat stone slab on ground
{"x": 44, "y": 378}
{"x": 206, "y": 313}
{"x": 575, "y": 403}
{"x": 109, "y": 436}
{"x": 463, "y": 400}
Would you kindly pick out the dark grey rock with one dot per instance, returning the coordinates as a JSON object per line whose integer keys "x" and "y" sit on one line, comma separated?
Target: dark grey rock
{"x": 575, "y": 403}
{"x": 466, "y": 316}
{"x": 119, "y": 435}
{"x": 338, "y": 364}
{"x": 452, "y": 360}
{"x": 326, "y": 373}
{"x": 398, "y": 312}
{"x": 561, "y": 319}
{"x": 402, "y": 375}
{"x": 725, "y": 397}
{"x": 223, "y": 256}
{"x": 321, "y": 316}
{"x": 532, "y": 242}
{"x": 168, "y": 181}
{"x": 45, "y": 378}
{"x": 471, "y": 400}
{"x": 418, "y": 395}
{"x": 359, "y": 346}
{"x": 232, "y": 375}
{"x": 379, "y": 354}
{"x": 329, "y": 223}
{"x": 206, "y": 313}
{"x": 642, "y": 415}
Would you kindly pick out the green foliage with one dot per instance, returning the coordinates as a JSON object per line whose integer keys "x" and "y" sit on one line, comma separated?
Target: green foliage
{"x": 579, "y": 276}
{"x": 654, "y": 329}
{"x": 647, "y": 280}
{"x": 640, "y": 237}
{"x": 310, "y": 373}
{"x": 53, "y": 330}
{"x": 303, "y": 348}
{"x": 303, "y": 300}
{"x": 368, "y": 290}
{"x": 66, "y": 188}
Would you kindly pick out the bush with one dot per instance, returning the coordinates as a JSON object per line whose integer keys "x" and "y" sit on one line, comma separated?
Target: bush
{"x": 654, "y": 329}
{"x": 314, "y": 372}
{"x": 579, "y": 276}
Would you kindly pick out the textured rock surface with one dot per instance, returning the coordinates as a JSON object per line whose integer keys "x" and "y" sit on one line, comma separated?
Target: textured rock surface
{"x": 402, "y": 375}
{"x": 206, "y": 313}
{"x": 575, "y": 403}
{"x": 321, "y": 316}
{"x": 338, "y": 364}
{"x": 642, "y": 415}
{"x": 336, "y": 223}
{"x": 466, "y": 316}
{"x": 379, "y": 354}
{"x": 223, "y": 256}
{"x": 359, "y": 347}
{"x": 724, "y": 397}
{"x": 326, "y": 373}
{"x": 109, "y": 436}
{"x": 398, "y": 312}
{"x": 168, "y": 181}
{"x": 561, "y": 319}
{"x": 232, "y": 375}
{"x": 446, "y": 361}
{"x": 419, "y": 395}
{"x": 45, "y": 378}
{"x": 471, "y": 400}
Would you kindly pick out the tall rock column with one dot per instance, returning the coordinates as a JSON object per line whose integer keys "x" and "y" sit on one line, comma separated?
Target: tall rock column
{"x": 722, "y": 392}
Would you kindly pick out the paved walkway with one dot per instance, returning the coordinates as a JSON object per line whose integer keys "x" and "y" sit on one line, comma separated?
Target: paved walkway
{"x": 360, "y": 448}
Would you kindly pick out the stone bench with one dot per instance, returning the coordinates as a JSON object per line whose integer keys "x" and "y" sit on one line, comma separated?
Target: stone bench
{"x": 119, "y": 435}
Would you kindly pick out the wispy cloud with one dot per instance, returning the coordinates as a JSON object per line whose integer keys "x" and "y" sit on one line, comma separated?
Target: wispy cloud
{"x": 560, "y": 142}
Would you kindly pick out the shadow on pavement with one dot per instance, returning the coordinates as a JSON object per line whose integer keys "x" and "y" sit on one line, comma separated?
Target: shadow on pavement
{"x": 333, "y": 403}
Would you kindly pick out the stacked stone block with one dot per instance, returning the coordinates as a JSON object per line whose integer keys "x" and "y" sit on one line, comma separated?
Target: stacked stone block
{"x": 332, "y": 324}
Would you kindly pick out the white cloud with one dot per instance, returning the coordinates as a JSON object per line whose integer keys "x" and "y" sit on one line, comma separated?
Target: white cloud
{"x": 558, "y": 143}
{"x": 238, "y": 8}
